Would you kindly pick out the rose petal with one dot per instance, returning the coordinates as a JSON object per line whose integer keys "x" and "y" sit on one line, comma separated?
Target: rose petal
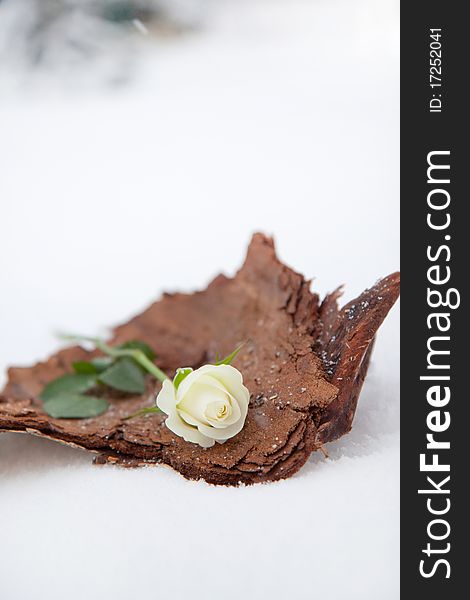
{"x": 188, "y": 418}
{"x": 166, "y": 401}
{"x": 230, "y": 377}
{"x": 197, "y": 398}
{"x": 190, "y": 434}
{"x": 224, "y": 433}
{"x": 214, "y": 383}
{"x": 166, "y": 398}
{"x": 187, "y": 407}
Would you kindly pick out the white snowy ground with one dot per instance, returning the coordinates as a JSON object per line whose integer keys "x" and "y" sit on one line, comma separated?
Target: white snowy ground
{"x": 281, "y": 116}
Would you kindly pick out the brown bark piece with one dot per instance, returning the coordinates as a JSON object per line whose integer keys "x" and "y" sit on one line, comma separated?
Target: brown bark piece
{"x": 303, "y": 362}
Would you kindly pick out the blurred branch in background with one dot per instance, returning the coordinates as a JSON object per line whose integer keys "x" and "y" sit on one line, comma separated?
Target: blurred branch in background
{"x": 83, "y": 40}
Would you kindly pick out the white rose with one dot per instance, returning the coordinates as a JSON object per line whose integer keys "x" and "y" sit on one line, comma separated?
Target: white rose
{"x": 209, "y": 405}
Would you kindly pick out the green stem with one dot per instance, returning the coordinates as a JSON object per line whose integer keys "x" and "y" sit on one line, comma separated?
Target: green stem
{"x": 143, "y": 411}
{"x": 137, "y": 355}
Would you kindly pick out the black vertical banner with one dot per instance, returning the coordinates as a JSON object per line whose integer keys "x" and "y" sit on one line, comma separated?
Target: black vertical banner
{"x": 435, "y": 350}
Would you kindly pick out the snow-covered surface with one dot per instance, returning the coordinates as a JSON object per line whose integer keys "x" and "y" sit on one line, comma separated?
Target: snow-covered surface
{"x": 280, "y": 116}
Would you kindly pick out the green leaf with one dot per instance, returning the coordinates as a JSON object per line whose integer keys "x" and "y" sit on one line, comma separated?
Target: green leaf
{"x": 181, "y": 374}
{"x": 70, "y": 383}
{"x": 124, "y": 375}
{"x": 83, "y": 367}
{"x": 101, "y": 363}
{"x": 94, "y": 366}
{"x": 138, "y": 345}
{"x": 69, "y": 405}
{"x": 143, "y": 411}
{"x": 228, "y": 359}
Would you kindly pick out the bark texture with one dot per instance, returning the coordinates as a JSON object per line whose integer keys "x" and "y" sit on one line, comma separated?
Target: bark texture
{"x": 304, "y": 363}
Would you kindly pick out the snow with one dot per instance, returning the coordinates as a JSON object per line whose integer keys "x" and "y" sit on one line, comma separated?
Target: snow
{"x": 277, "y": 116}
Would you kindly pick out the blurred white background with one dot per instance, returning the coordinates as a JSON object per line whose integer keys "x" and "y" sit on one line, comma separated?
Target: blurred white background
{"x": 133, "y": 163}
